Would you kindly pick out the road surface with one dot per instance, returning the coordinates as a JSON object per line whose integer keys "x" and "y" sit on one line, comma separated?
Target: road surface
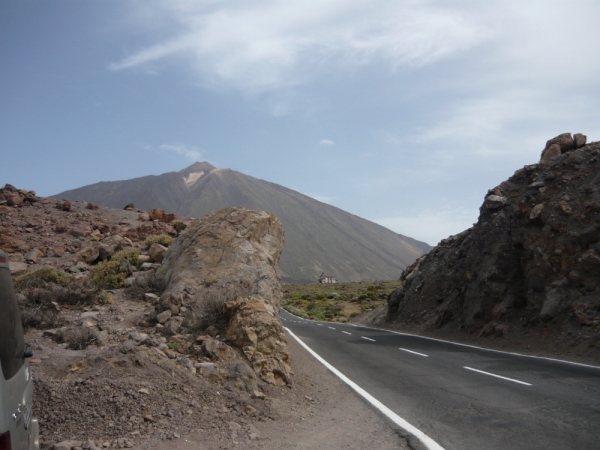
{"x": 461, "y": 396}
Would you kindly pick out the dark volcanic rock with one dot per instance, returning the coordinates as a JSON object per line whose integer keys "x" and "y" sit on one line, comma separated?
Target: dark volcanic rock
{"x": 532, "y": 259}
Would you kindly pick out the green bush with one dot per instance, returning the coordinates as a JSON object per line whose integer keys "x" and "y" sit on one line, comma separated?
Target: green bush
{"x": 295, "y": 311}
{"x": 162, "y": 239}
{"x": 110, "y": 274}
{"x": 43, "y": 275}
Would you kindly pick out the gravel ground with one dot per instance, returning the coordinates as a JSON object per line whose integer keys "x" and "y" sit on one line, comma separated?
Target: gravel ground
{"x": 120, "y": 395}
{"x": 318, "y": 412}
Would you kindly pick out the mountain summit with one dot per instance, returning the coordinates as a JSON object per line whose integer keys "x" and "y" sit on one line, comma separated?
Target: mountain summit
{"x": 319, "y": 237}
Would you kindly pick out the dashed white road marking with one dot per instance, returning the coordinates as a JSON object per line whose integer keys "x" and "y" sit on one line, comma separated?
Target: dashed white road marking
{"x": 331, "y": 328}
{"x": 320, "y": 324}
{"x": 416, "y": 353}
{"x": 429, "y": 443}
{"x": 346, "y": 332}
{"x": 497, "y": 376}
{"x": 368, "y": 339}
{"x": 466, "y": 345}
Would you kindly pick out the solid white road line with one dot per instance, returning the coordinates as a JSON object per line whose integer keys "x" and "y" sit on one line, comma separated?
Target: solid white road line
{"x": 368, "y": 339}
{"x": 429, "y": 443}
{"x": 346, "y": 332}
{"x": 497, "y": 376}
{"x": 416, "y": 353}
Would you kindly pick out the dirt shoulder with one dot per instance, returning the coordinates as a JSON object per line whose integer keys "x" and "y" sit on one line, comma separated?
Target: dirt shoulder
{"x": 124, "y": 395}
{"x": 321, "y": 412}
{"x": 318, "y": 412}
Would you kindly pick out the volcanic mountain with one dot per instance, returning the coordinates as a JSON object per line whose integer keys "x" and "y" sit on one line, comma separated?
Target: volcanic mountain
{"x": 319, "y": 237}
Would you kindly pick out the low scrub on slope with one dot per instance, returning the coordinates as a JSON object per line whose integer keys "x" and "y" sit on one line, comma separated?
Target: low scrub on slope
{"x": 336, "y": 302}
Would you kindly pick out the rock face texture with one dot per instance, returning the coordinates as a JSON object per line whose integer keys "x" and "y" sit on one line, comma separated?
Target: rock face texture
{"x": 226, "y": 264}
{"x": 532, "y": 260}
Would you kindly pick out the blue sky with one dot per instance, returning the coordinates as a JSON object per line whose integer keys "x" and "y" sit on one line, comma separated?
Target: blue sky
{"x": 401, "y": 112}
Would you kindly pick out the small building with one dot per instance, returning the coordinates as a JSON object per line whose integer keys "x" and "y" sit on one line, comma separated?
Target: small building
{"x": 327, "y": 278}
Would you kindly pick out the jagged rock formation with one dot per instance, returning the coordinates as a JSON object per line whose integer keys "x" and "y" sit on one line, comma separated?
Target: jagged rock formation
{"x": 319, "y": 237}
{"x": 532, "y": 259}
{"x": 228, "y": 262}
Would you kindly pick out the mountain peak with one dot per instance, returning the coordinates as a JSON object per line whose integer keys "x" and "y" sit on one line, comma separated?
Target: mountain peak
{"x": 319, "y": 237}
{"x": 194, "y": 172}
{"x": 197, "y": 167}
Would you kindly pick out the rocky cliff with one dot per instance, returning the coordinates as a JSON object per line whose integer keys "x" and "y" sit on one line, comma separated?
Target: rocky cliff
{"x": 529, "y": 269}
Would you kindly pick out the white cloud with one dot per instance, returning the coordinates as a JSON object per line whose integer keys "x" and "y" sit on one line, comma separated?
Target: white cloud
{"x": 431, "y": 226}
{"x": 326, "y": 142}
{"x": 269, "y": 44}
{"x": 522, "y": 84}
{"x": 192, "y": 153}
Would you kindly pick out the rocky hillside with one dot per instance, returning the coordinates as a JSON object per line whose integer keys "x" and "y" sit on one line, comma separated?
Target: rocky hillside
{"x": 136, "y": 316}
{"x": 319, "y": 237}
{"x": 528, "y": 271}
{"x": 152, "y": 335}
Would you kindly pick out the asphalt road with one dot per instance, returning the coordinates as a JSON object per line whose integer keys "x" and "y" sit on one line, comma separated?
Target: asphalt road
{"x": 464, "y": 397}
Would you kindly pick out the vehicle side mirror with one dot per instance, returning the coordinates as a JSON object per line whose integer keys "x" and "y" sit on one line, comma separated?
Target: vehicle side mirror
{"x": 28, "y": 353}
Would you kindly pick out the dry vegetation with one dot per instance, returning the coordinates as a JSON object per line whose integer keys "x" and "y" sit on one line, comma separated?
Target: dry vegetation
{"x": 336, "y": 302}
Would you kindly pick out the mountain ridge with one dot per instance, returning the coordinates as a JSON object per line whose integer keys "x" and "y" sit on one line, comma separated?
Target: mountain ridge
{"x": 319, "y": 237}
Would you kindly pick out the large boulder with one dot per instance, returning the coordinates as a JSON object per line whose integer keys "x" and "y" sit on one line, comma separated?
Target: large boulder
{"x": 228, "y": 262}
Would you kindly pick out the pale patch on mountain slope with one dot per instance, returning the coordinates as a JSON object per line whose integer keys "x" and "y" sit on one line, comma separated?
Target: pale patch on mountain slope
{"x": 192, "y": 178}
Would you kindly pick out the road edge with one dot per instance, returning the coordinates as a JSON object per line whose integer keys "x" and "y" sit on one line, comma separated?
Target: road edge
{"x": 429, "y": 443}
{"x": 547, "y": 358}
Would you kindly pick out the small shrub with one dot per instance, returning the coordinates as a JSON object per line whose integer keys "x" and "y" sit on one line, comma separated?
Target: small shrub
{"x": 211, "y": 313}
{"x": 130, "y": 254}
{"x": 79, "y": 338}
{"x": 208, "y": 308}
{"x": 295, "y": 311}
{"x": 41, "y": 277}
{"x": 162, "y": 239}
{"x": 77, "y": 293}
{"x": 178, "y": 225}
{"x": 106, "y": 298}
{"x": 41, "y": 318}
{"x": 110, "y": 274}
{"x": 173, "y": 345}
